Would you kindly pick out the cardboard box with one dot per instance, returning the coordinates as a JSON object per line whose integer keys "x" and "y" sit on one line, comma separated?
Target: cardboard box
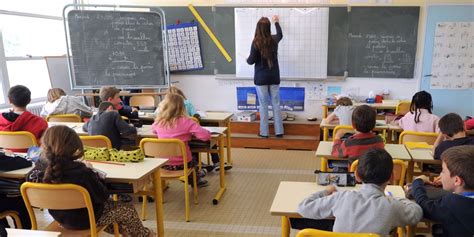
{"x": 246, "y": 116}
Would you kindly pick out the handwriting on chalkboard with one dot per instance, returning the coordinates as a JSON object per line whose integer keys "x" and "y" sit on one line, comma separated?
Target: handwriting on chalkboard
{"x": 116, "y": 48}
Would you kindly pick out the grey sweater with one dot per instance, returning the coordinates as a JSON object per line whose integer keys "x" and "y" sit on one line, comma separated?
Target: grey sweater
{"x": 366, "y": 210}
{"x": 111, "y": 125}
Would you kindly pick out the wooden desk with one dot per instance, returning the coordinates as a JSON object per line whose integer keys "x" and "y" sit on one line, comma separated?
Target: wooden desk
{"x": 376, "y": 106}
{"x": 31, "y": 233}
{"x": 380, "y": 126}
{"x": 424, "y": 155}
{"x": 290, "y": 194}
{"x": 137, "y": 174}
{"x": 397, "y": 151}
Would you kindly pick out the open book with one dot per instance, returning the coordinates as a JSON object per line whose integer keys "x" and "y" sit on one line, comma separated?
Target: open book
{"x": 214, "y": 130}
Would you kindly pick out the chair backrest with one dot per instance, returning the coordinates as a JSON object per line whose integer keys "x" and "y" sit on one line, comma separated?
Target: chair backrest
{"x": 96, "y": 141}
{"x": 411, "y": 136}
{"x": 345, "y": 128}
{"x": 17, "y": 140}
{"x": 57, "y": 197}
{"x": 142, "y": 100}
{"x": 399, "y": 171}
{"x": 164, "y": 148}
{"x": 322, "y": 233}
{"x": 403, "y": 107}
{"x": 64, "y": 118}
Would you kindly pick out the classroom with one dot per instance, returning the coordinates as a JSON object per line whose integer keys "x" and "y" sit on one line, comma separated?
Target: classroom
{"x": 231, "y": 118}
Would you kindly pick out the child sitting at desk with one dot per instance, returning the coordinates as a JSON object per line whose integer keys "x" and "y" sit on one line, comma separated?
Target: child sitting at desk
{"x": 420, "y": 117}
{"x": 368, "y": 209}
{"x": 452, "y": 134}
{"x": 343, "y": 111}
{"x": 173, "y": 122}
{"x": 19, "y": 119}
{"x": 112, "y": 94}
{"x": 363, "y": 121}
{"x": 61, "y": 149}
{"x": 60, "y": 103}
{"x": 455, "y": 210}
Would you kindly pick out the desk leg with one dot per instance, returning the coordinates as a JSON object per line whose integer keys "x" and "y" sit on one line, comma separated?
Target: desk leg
{"x": 285, "y": 227}
{"x": 410, "y": 170}
{"x": 325, "y": 111}
{"x": 158, "y": 203}
{"x": 222, "y": 188}
{"x": 229, "y": 157}
{"x": 325, "y": 134}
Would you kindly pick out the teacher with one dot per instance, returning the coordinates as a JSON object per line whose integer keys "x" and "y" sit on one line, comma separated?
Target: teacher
{"x": 264, "y": 54}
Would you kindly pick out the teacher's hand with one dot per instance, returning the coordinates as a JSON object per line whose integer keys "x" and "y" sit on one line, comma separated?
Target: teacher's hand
{"x": 275, "y": 18}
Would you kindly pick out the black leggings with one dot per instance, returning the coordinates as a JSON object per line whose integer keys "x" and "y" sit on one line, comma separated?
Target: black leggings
{"x": 15, "y": 204}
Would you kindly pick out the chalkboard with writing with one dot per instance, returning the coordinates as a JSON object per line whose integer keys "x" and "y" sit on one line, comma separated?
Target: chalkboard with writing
{"x": 382, "y": 41}
{"x": 118, "y": 48}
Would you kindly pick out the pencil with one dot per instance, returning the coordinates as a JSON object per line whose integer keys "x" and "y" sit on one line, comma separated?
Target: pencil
{"x": 105, "y": 162}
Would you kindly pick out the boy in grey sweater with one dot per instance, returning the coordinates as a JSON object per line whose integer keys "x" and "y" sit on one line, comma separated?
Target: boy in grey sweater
{"x": 367, "y": 209}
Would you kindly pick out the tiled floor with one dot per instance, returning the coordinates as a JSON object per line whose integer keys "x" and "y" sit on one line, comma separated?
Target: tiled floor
{"x": 244, "y": 208}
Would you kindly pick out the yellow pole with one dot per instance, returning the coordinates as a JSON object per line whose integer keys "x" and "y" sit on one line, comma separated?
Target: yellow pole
{"x": 209, "y": 32}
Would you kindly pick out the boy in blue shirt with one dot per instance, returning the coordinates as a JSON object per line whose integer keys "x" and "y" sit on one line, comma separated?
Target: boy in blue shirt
{"x": 455, "y": 210}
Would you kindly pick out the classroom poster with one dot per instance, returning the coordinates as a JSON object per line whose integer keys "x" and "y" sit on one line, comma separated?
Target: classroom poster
{"x": 184, "y": 50}
{"x": 291, "y": 98}
{"x": 452, "y": 66}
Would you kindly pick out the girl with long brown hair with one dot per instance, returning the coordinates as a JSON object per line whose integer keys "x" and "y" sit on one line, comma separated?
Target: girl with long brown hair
{"x": 264, "y": 54}
{"x": 59, "y": 163}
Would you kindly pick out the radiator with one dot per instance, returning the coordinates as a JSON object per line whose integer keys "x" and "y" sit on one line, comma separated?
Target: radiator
{"x": 35, "y": 108}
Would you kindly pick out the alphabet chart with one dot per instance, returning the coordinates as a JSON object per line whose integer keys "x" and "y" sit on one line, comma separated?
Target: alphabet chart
{"x": 453, "y": 56}
{"x": 184, "y": 51}
{"x": 302, "y": 52}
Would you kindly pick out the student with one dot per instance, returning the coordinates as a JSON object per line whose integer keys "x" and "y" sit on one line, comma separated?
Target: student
{"x": 420, "y": 117}
{"x": 363, "y": 121}
{"x": 264, "y": 54}
{"x": 61, "y": 149}
{"x": 112, "y": 94}
{"x": 19, "y": 119}
{"x": 452, "y": 134}
{"x": 368, "y": 209}
{"x": 190, "y": 110}
{"x": 60, "y": 103}
{"x": 172, "y": 122}
{"x": 455, "y": 210}
{"x": 109, "y": 123}
{"x": 469, "y": 123}
{"x": 343, "y": 111}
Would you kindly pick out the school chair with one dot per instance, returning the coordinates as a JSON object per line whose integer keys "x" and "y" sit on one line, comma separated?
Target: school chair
{"x": 142, "y": 100}
{"x": 64, "y": 118}
{"x": 14, "y": 215}
{"x": 59, "y": 197}
{"x": 398, "y": 173}
{"x": 411, "y": 136}
{"x": 163, "y": 148}
{"x": 345, "y": 129}
{"x": 321, "y": 233}
{"x": 17, "y": 140}
{"x": 96, "y": 141}
{"x": 403, "y": 107}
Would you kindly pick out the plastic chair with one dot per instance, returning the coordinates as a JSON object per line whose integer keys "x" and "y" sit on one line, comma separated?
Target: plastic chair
{"x": 64, "y": 118}
{"x": 14, "y": 215}
{"x": 164, "y": 148}
{"x": 403, "y": 107}
{"x": 346, "y": 129}
{"x": 322, "y": 233}
{"x": 17, "y": 140}
{"x": 399, "y": 171}
{"x": 96, "y": 141}
{"x": 59, "y": 197}
{"x": 411, "y": 136}
{"x": 142, "y": 100}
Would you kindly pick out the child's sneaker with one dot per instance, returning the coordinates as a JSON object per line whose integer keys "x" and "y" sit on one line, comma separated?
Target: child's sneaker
{"x": 226, "y": 166}
{"x": 202, "y": 173}
{"x": 201, "y": 183}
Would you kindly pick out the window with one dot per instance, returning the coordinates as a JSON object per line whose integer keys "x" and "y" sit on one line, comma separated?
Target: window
{"x": 36, "y": 77}
{"x": 49, "y": 7}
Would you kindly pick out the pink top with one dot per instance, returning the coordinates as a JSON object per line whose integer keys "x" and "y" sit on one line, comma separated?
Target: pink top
{"x": 428, "y": 122}
{"x": 184, "y": 129}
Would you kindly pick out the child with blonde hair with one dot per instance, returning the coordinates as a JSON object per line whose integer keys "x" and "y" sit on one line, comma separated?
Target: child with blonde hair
{"x": 173, "y": 122}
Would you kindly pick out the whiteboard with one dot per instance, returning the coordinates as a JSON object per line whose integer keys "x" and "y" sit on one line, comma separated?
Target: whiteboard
{"x": 302, "y": 52}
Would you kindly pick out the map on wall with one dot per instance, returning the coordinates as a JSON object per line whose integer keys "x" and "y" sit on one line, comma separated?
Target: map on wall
{"x": 453, "y": 56}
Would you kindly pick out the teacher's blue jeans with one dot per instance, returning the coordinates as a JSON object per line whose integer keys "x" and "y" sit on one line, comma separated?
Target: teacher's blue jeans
{"x": 269, "y": 94}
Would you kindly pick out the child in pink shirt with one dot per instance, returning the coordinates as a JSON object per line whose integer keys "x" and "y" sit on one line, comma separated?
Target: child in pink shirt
{"x": 420, "y": 118}
{"x": 173, "y": 122}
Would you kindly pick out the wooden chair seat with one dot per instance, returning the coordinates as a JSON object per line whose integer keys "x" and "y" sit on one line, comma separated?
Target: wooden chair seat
{"x": 55, "y": 226}
{"x": 173, "y": 174}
